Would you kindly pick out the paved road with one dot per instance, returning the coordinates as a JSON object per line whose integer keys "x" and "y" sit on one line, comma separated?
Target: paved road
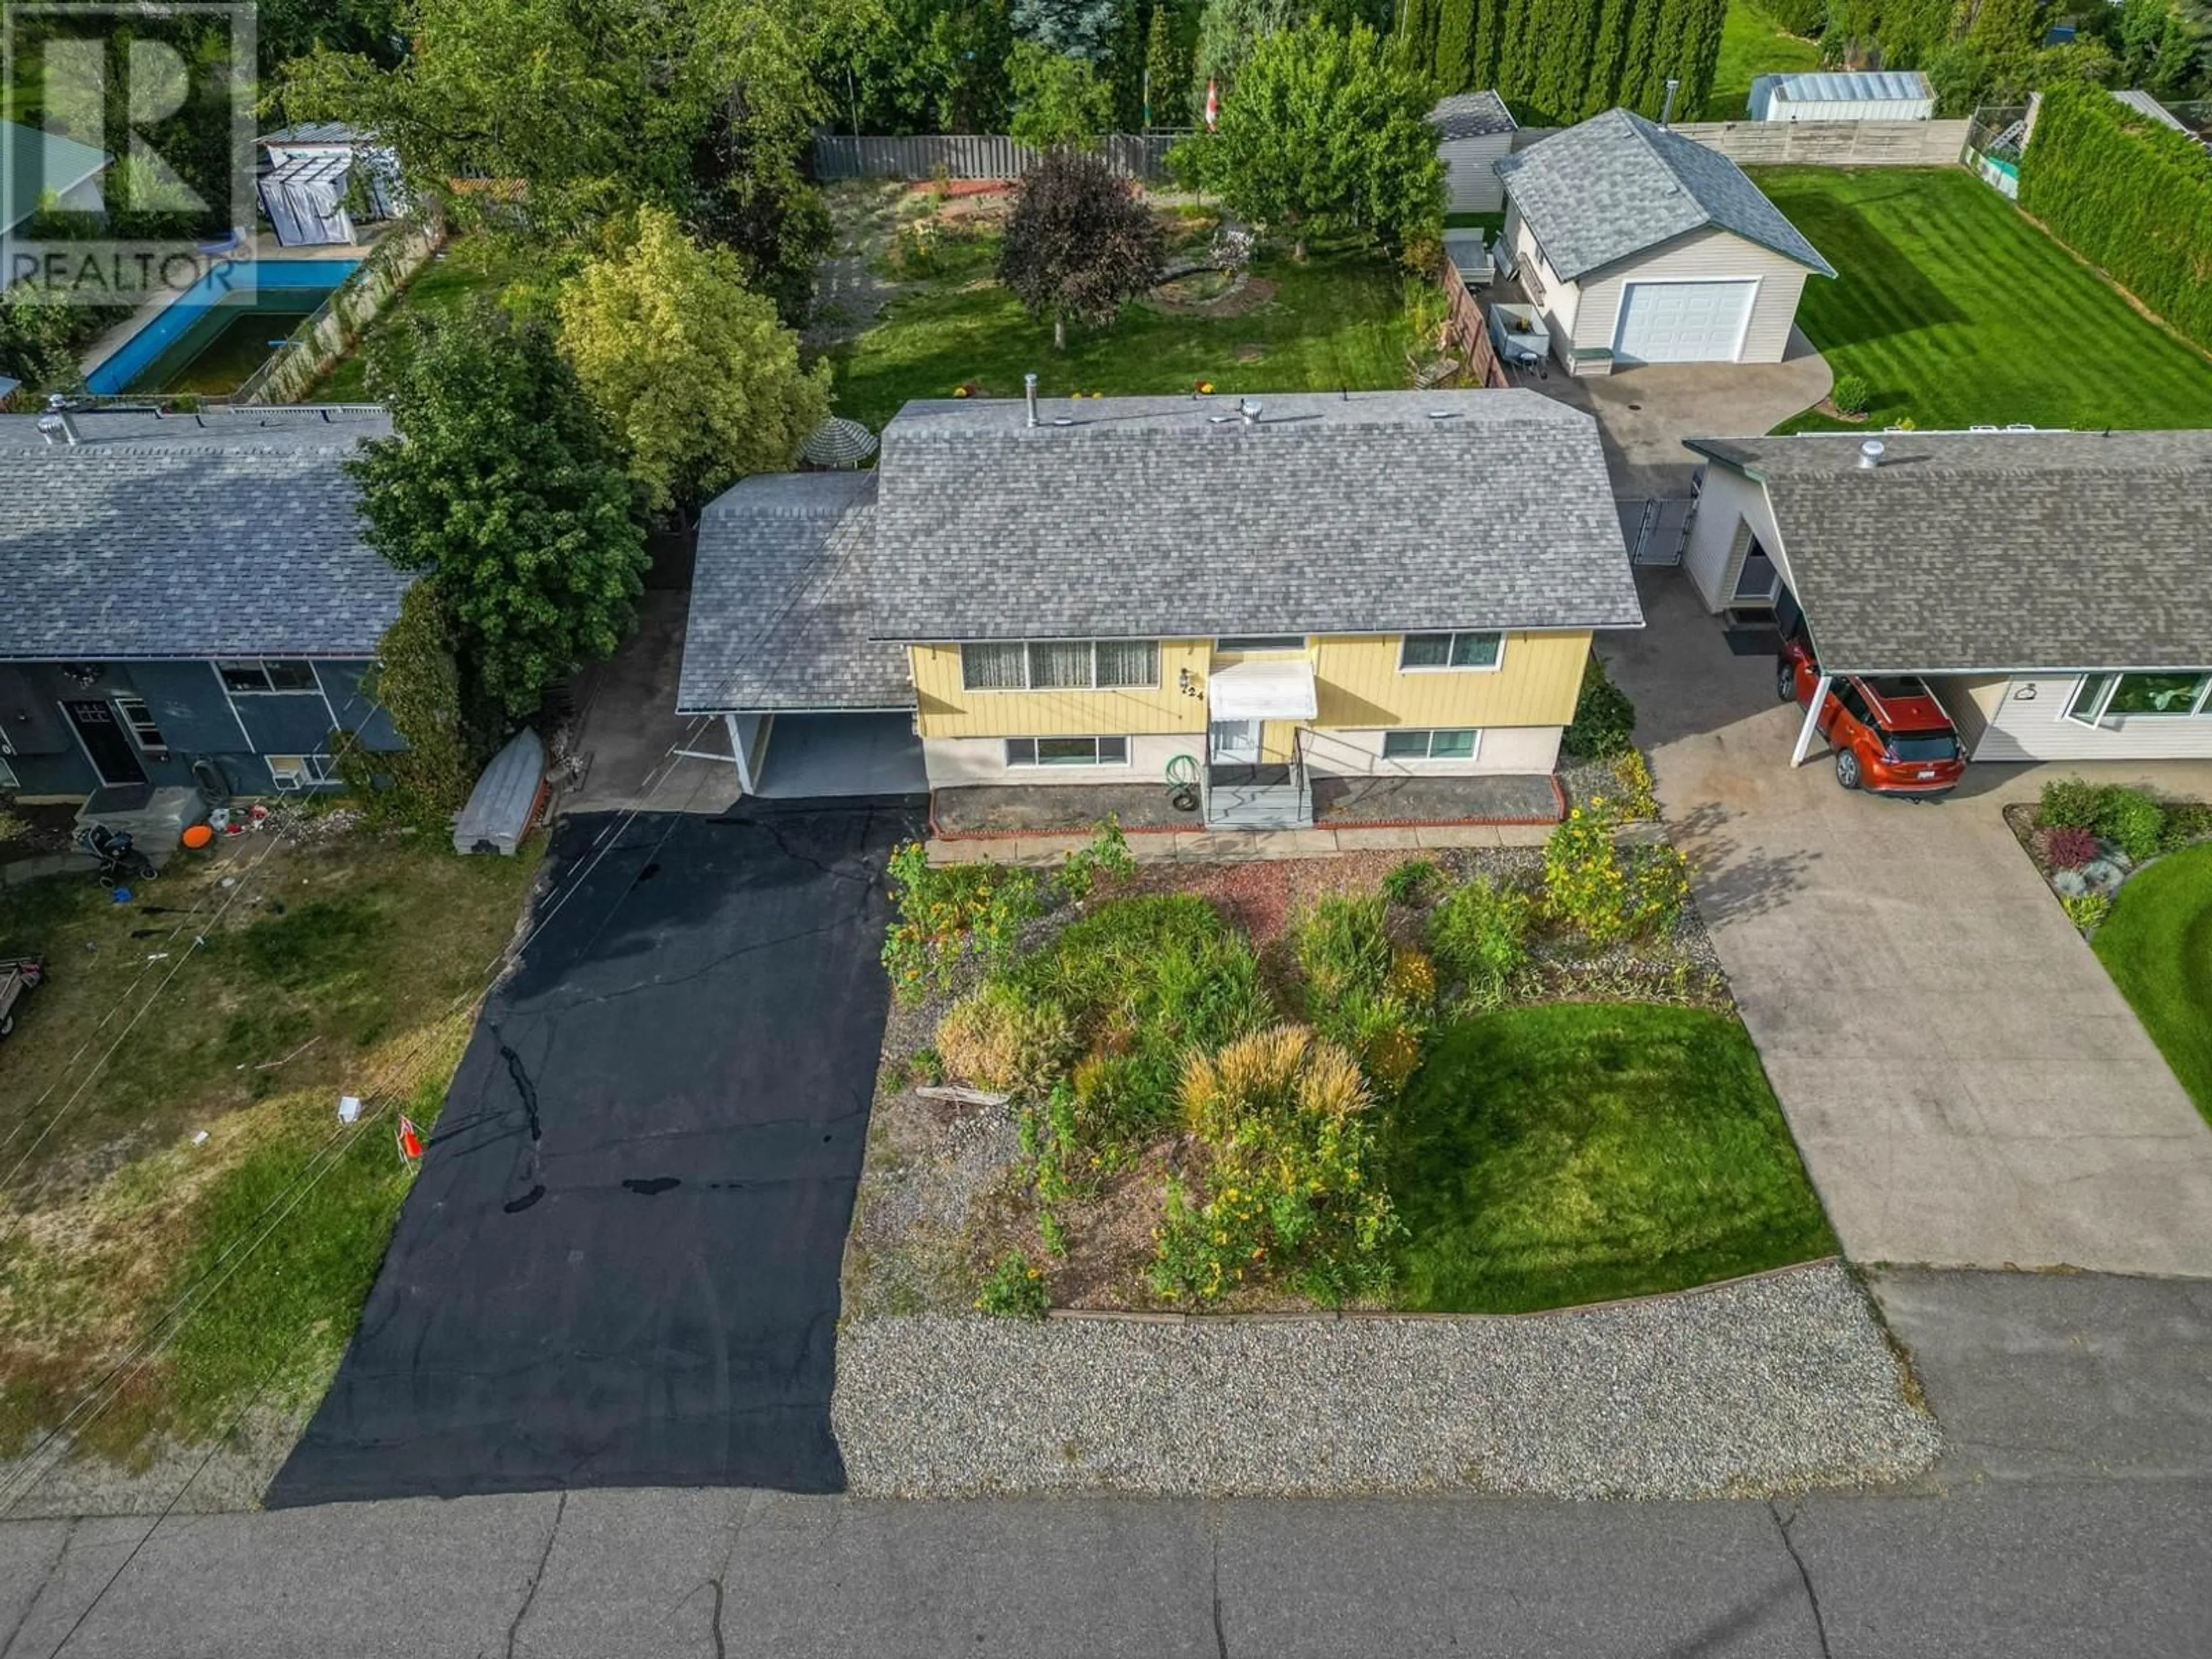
{"x": 2069, "y": 1519}
{"x": 1966, "y": 1085}
{"x": 619, "y": 1266}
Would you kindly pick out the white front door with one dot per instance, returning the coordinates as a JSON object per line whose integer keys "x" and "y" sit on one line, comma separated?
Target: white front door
{"x": 1236, "y": 743}
{"x": 1683, "y": 322}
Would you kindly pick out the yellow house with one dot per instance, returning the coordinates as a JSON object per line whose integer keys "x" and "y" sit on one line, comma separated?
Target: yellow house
{"x": 1246, "y": 594}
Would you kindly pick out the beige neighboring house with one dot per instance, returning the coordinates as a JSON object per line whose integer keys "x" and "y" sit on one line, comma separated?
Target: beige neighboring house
{"x": 2054, "y": 588}
{"x": 1641, "y": 246}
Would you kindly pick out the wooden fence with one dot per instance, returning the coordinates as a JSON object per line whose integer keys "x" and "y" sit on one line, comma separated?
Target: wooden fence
{"x": 1469, "y": 333}
{"x": 1816, "y": 143}
{"x": 325, "y": 337}
{"x": 975, "y": 155}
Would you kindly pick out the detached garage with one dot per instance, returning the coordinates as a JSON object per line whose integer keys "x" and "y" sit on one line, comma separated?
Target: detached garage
{"x": 1639, "y": 246}
{"x": 1474, "y": 130}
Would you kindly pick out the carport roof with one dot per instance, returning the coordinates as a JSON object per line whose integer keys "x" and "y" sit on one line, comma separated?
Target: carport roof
{"x": 779, "y": 601}
{"x": 1993, "y": 552}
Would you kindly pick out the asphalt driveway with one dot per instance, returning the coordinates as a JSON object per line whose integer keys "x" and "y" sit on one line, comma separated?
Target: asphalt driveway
{"x": 1965, "y": 1083}
{"x": 619, "y": 1264}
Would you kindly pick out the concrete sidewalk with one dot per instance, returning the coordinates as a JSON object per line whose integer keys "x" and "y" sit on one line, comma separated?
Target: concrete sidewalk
{"x": 1967, "y": 1083}
{"x": 1235, "y": 846}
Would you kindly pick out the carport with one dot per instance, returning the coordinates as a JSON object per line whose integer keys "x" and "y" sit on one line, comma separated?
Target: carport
{"x": 777, "y": 649}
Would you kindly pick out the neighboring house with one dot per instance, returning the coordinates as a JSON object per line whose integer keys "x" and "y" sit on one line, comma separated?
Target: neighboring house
{"x": 181, "y": 588}
{"x": 1393, "y": 583}
{"x": 2054, "y": 587}
{"x": 39, "y": 167}
{"x": 1640, "y": 247}
{"x": 1831, "y": 96}
{"x": 322, "y": 180}
{"x": 1474, "y": 130}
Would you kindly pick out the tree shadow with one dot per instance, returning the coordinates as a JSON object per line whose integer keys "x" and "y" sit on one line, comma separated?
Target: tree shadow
{"x": 1735, "y": 880}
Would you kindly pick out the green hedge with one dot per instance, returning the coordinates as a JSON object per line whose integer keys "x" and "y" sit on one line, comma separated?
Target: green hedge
{"x": 2131, "y": 196}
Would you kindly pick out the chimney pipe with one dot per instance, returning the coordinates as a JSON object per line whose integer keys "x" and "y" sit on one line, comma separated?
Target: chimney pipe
{"x": 1029, "y": 391}
{"x": 55, "y": 425}
{"x": 1250, "y": 410}
{"x": 1870, "y": 453}
{"x": 1667, "y": 112}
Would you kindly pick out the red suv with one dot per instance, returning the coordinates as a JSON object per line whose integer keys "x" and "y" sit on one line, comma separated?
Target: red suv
{"x": 1888, "y": 732}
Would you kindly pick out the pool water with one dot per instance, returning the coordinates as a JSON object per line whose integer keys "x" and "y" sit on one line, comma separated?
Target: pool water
{"x": 210, "y": 337}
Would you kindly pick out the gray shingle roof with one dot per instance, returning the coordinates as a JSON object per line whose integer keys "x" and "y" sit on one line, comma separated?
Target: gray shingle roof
{"x": 1965, "y": 552}
{"x": 1172, "y": 517}
{"x": 1471, "y": 115}
{"x": 1617, "y": 184}
{"x": 227, "y": 535}
{"x": 779, "y": 602}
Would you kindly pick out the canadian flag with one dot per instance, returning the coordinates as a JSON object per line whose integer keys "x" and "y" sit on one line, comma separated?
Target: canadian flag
{"x": 410, "y": 1139}
{"x": 1213, "y": 105}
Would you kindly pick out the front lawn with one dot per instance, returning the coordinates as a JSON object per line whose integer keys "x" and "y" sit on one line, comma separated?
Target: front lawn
{"x": 203, "y": 1167}
{"x": 1579, "y": 1151}
{"x": 1959, "y": 312}
{"x": 1339, "y": 321}
{"x": 1750, "y": 46}
{"x": 2157, "y": 945}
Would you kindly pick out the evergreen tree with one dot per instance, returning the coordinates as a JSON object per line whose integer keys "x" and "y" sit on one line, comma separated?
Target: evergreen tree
{"x": 1076, "y": 28}
{"x": 1638, "y": 55}
{"x": 1701, "y": 55}
{"x": 1414, "y": 36}
{"x": 1520, "y": 38}
{"x": 1999, "y": 26}
{"x": 1455, "y": 41}
{"x": 1563, "y": 68}
{"x": 1602, "y": 87}
{"x": 1484, "y": 58}
{"x": 1124, "y": 66}
{"x": 1167, "y": 68}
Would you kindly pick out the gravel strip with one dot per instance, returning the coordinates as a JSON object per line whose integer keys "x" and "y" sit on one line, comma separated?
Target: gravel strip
{"x": 1768, "y": 1385}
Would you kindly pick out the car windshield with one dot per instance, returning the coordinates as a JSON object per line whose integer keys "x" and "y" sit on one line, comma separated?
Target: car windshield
{"x": 1923, "y": 745}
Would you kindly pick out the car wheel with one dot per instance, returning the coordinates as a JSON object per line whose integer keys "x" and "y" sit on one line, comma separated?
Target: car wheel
{"x": 1785, "y": 683}
{"x": 1847, "y": 769}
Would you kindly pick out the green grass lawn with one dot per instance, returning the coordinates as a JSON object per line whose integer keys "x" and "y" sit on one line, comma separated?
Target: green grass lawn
{"x": 1750, "y": 46}
{"x": 2157, "y": 945}
{"x": 1573, "y": 1153}
{"x": 1336, "y": 322}
{"x": 1959, "y": 312}
{"x": 465, "y": 267}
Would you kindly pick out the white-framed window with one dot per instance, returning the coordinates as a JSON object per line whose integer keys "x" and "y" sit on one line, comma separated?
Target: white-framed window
{"x": 1237, "y": 644}
{"x": 2176, "y": 692}
{"x": 140, "y": 719}
{"x": 1068, "y": 751}
{"x": 1421, "y": 653}
{"x": 251, "y": 676}
{"x": 290, "y": 773}
{"x": 1061, "y": 665}
{"x": 1462, "y": 743}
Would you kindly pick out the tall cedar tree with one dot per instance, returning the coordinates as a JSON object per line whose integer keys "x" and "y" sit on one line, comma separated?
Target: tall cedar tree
{"x": 1455, "y": 39}
{"x": 1603, "y": 81}
{"x": 1124, "y": 67}
{"x": 504, "y": 487}
{"x": 1414, "y": 36}
{"x": 1167, "y": 68}
{"x": 1079, "y": 243}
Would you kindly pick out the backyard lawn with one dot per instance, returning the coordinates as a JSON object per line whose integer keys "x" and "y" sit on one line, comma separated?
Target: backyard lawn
{"x": 346, "y": 964}
{"x": 465, "y": 267}
{"x": 1574, "y": 1152}
{"x": 2157, "y": 945}
{"x": 1751, "y": 45}
{"x": 1959, "y": 312}
{"x": 1336, "y": 322}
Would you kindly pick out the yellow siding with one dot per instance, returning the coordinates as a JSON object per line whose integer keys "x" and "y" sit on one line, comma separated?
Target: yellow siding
{"x": 1536, "y": 684}
{"x": 1358, "y": 686}
{"x": 948, "y": 711}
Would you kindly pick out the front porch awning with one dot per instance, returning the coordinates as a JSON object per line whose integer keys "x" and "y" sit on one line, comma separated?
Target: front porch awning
{"x": 1278, "y": 690}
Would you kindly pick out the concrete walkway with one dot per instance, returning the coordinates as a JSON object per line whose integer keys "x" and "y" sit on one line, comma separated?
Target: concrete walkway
{"x": 1967, "y": 1083}
{"x": 627, "y": 724}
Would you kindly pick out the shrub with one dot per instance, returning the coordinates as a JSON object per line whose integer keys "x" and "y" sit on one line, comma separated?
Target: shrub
{"x": 1108, "y": 854}
{"x": 2069, "y": 803}
{"x": 1850, "y": 394}
{"x": 1015, "y": 1289}
{"x": 948, "y": 915}
{"x": 1632, "y": 776}
{"x": 1608, "y": 892}
{"x": 2131, "y": 820}
{"x": 999, "y": 1039}
{"x": 1480, "y": 933}
{"x": 1411, "y": 882}
{"x": 1604, "y": 717}
{"x": 1341, "y": 946}
{"x": 2189, "y": 821}
{"x": 924, "y": 1068}
{"x": 2070, "y": 848}
{"x": 2086, "y": 911}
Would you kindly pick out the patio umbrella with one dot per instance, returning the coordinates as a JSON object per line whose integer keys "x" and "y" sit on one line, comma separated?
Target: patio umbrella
{"x": 838, "y": 442}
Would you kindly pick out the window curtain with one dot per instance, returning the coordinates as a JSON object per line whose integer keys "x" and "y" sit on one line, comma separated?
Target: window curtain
{"x": 1128, "y": 662}
{"x": 1059, "y": 666}
{"x": 991, "y": 667}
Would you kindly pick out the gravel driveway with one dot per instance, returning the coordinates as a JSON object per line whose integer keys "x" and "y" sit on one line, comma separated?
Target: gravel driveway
{"x": 1761, "y": 1386}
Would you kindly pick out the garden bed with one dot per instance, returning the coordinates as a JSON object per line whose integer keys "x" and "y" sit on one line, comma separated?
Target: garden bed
{"x": 2086, "y": 839}
{"x": 1220, "y": 1081}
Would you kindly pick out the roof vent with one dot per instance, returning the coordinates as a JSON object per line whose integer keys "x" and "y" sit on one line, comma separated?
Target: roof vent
{"x": 1870, "y": 454}
{"x": 57, "y": 427}
{"x": 1029, "y": 391}
{"x": 1250, "y": 409}
{"x": 1444, "y": 414}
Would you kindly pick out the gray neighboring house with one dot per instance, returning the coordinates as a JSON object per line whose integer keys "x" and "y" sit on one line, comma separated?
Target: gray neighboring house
{"x": 1639, "y": 246}
{"x": 37, "y": 167}
{"x": 2055, "y": 588}
{"x": 184, "y": 589}
{"x": 1473, "y": 130}
{"x": 1379, "y": 583}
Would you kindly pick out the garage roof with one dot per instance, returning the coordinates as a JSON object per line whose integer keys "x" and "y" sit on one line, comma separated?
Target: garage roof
{"x": 1615, "y": 185}
{"x": 1994, "y": 552}
{"x": 779, "y": 601}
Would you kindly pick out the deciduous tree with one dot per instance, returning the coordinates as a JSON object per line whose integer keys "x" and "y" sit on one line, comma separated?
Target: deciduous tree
{"x": 1079, "y": 243}
{"x": 698, "y": 381}
{"x": 1059, "y": 100}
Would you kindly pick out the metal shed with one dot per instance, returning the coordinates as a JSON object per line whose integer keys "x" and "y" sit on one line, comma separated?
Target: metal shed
{"x": 1866, "y": 95}
{"x": 1474, "y": 128}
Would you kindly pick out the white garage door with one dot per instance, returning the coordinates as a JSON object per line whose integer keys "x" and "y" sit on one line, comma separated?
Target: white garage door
{"x": 1683, "y": 322}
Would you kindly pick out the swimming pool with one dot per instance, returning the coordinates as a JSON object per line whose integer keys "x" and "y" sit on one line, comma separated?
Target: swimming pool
{"x": 286, "y": 289}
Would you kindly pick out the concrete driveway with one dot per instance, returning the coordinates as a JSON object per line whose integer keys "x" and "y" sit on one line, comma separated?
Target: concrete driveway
{"x": 1967, "y": 1083}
